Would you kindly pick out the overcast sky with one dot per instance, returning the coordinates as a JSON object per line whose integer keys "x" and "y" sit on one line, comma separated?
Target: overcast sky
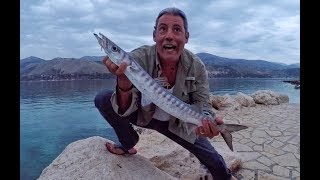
{"x": 247, "y": 29}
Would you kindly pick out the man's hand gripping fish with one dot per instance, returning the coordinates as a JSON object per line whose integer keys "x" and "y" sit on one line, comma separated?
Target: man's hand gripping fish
{"x": 159, "y": 95}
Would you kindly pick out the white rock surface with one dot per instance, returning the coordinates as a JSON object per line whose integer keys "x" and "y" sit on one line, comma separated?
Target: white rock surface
{"x": 88, "y": 159}
{"x": 268, "y": 97}
{"x": 244, "y": 100}
{"x": 224, "y": 102}
{"x": 158, "y": 158}
{"x": 177, "y": 161}
{"x": 265, "y": 97}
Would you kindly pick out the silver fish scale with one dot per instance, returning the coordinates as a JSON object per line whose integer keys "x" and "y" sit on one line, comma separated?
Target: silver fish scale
{"x": 161, "y": 96}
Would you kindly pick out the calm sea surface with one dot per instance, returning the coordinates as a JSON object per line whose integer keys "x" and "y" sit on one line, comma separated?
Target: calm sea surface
{"x": 55, "y": 113}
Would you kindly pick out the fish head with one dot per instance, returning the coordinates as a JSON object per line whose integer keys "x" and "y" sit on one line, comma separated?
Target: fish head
{"x": 114, "y": 52}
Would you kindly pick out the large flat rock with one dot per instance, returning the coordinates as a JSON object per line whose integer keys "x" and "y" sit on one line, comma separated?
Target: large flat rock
{"x": 158, "y": 158}
{"x": 177, "y": 161}
{"x": 88, "y": 159}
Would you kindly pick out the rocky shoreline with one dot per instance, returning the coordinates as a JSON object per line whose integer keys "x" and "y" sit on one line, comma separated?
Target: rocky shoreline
{"x": 268, "y": 149}
{"x": 296, "y": 83}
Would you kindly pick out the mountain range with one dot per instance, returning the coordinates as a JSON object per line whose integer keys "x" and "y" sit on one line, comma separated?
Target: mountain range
{"x": 91, "y": 67}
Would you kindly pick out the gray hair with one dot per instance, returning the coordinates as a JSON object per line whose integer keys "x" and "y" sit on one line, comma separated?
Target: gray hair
{"x": 176, "y": 12}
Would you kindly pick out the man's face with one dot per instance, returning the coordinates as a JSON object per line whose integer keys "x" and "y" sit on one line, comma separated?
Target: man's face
{"x": 170, "y": 37}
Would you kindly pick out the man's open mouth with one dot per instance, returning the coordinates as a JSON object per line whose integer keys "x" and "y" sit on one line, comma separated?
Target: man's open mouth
{"x": 169, "y": 47}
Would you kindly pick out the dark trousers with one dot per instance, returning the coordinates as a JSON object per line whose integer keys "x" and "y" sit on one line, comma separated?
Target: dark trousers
{"x": 128, "y": 137}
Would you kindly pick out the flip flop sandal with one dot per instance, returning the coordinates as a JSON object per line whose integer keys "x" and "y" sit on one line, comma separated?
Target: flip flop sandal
{"x": 125, "y": 151}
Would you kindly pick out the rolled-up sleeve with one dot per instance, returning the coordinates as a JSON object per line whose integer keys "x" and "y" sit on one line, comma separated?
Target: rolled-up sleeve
{"x": 139, "y": 55}
{"x": 133, "y": 106}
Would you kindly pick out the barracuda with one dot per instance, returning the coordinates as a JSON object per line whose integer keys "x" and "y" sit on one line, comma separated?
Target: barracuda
{"x": 159, "y": 95}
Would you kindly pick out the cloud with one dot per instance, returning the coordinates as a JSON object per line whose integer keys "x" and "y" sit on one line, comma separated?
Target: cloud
{"x": 59, "y": 7}
{"x": 268, "y": 30}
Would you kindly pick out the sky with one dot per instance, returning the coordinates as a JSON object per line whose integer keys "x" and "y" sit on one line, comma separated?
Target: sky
{"x": 246, "y": 29}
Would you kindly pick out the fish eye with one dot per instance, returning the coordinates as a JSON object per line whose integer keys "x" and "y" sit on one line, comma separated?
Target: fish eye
{"x": 114, "y": 48}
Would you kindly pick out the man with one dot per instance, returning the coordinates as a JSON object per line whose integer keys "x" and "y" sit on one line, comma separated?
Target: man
{"x": 182, "y": 73}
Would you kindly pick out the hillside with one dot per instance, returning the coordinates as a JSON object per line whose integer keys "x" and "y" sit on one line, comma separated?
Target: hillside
{"x": 91, "y": 67}
{"x": 63, "y": 68}
{"x": 225, "y": 67}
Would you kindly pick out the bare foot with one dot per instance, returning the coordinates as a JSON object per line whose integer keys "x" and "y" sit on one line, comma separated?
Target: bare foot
{"x": 119, "y": 150}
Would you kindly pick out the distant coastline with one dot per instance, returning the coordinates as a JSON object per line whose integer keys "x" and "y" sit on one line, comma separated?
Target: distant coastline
{"x": 91, "y": 67}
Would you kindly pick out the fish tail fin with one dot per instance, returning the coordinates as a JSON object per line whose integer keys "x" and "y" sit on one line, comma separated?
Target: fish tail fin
{"x": 234, "y": 127}
{"x": 227, "y": 130}
{"x": 227, "y": 136}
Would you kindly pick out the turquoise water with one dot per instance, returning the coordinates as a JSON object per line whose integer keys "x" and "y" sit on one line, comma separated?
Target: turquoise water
{"x": 55, "y": 113}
